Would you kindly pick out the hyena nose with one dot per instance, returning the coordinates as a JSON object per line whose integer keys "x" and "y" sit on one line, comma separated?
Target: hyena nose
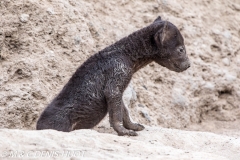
{"x": 185, "y": 65}
{"x": 188, "y": 64}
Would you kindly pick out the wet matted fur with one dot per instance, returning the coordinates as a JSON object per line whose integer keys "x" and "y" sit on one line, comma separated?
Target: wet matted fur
{"x": 98, "y": 84}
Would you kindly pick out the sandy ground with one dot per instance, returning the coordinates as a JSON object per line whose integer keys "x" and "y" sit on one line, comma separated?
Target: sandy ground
{"x": 43, "y": 42}
{"x": 164, "y": 144}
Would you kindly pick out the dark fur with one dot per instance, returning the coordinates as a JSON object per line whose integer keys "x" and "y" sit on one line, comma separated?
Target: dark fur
{"x": 98, "y": 84}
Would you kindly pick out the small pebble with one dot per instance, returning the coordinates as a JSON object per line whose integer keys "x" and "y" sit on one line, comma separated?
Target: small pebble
{"x": 24, "y": 18}
{"x": 226, "y": 61}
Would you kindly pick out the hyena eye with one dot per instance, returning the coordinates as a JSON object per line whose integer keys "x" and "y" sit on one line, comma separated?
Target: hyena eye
{"x": 180, "y": 50}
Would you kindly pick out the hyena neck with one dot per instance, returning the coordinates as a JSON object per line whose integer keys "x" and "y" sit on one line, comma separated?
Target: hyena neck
{"x": 140, "y": 46}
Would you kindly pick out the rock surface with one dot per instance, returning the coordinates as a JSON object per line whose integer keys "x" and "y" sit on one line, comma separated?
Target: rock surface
{"x": 163, "y": 144}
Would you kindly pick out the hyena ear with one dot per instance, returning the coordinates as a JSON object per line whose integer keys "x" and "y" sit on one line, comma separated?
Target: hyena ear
{"x": 158, "y": 19}
{"x": 161, "y": 35}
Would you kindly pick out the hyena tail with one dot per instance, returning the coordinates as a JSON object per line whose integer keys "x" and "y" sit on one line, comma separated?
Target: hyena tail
{"x": 54, "y": 119}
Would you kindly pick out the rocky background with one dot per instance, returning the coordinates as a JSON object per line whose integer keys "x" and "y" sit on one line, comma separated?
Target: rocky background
{"x": 43, "y": 42}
